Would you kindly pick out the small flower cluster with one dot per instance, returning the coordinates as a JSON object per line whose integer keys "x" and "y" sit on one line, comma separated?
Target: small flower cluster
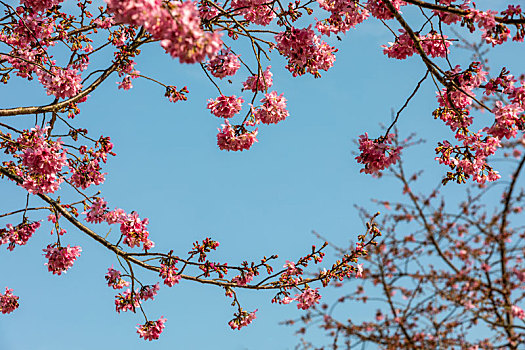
{"x": 377, "y": 155}
{"x": 235, "y": 138}
{"x": 242, "y": 319}
{"x": 225, "y": 106}
{"x": 344, "y": 15}
{"x": 224, "y": 64}
{"x": 305, "y": 51}
{"x": 169, "y": 273}
{"x": 61, "y": 82}
{"x": 19, "y": 234}
{"x": 135, "y": 233}
{"x": 8, "y": 301}
{"x": 60, "y": 259}
{"x": 255, "y": 11}
{"x": 97, "y": 211}
{"x": 494, "y": 33}
{"x": 87, "y": 171}
{"x": 129, "y": 301}
{"x": 178, "y": 28}
{"x": 273, "y": 109}
{"x": 260, "y": 82}
{"x": 42, "y": 159}
{"x": 151, "y": 330}
{"x": 433, "y": 44}
{"x": 114, "y": 279}
{"x": 308, "y": 298}
{"x": 379, "y": 10}
{"x": 243, "y": 279}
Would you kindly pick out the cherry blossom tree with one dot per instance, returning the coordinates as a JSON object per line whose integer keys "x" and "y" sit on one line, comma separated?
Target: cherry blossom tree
{"x": 62, "y": 44}
{"x": 446, "y": 274}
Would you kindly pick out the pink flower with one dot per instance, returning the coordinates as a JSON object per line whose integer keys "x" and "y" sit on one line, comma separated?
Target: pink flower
{"x": 178, "y": 28}
{"x": 359, "y": 272}
{"x": 62, "y": 83}
{"x": 242, "y": 319}
{"x": 305, "y": 51}
{"x": 291, "y": 269}
{"x": 61, "y": 258}
{"x": 43, "y": 160}
{"x": 115, "y": 280}
{"x": 344, "y": 15}
{"x": 402, "y": 48}
{"x": 235, "y": 138}
{"x": 19, "y": 234}
{"x": 308, "y": 298}
{"x": 8, "y": 301}
{"x": 125, "y": 302}
{"x": 40, "y": 5}
{"x": 87, "y": 173}
{"x": 151, "y": 330}
{"x": 379, "y": 10}
{"x": 378, "y": 154}
{"x": 259, "y": 82}
{"x": 169, "y": 273}
{"x": 273, "y": 109}
{"x": 149, "y": 292}
{"x": 244, "y": 279}
{"x": 115, "y": 216}
{"x": 225, "y": 106}
{"x": 97, "y": 211}
{"x": 518, "y": 312}
{"x": 224, "y": 64}
{"x": 135, "y": 232}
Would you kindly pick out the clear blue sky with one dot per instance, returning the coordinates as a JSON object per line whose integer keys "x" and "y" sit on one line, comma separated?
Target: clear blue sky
{"x": 300, "y": 177}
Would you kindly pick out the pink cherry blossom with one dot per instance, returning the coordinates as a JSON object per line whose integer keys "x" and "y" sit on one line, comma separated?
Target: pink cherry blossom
{"x": 97, "y": 211}
{"x": 242, "y": 320}
{"x": 234, "y": 139}
{"x": 169, "y": 274}
{"x": 149, "y": 292}
{"x": 61, "y": 258}
{"x": 8, "y": 301}
{"x": 377, "y": 155}
{"x": 18, "y": 235}
{"x": 305, "y": 51}
{"x": 114, "y": 279}
{"x": 135, "y": 231}
{"x": 40, "y": 5}
{"x": 224, "y": 64}
{"x": 379, "y": 10}
{"x": 518, "y": 312}
{"x": 308, "y": 298}
{"x": 151, "y": 330}
{"x": 273, "y": 109}
{"x": 261, "y": 82}
{"x": 117, "y": 216}
{"x": 225, "y": 106}
{"x": 243, "y": 279}
{"x": 62, "y": 83}
{"x": 344, "y": 15}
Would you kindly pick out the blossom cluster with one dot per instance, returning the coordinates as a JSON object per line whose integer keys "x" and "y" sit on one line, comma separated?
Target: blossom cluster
{"x": 235, "y": 138}
{"x": 305, "y": 51}
{"x": 242, "y": 319}
{"x": 377, "y": 155}
{"x": 8, "y": 301}
{"x": 129, "y": 301}
{"x": 60, "y": 259}
{"x": 17, "y": 235}
{"x": 151, "y": 330}
{"x": 178, "y": 28}
{"x": 41, "y": 161}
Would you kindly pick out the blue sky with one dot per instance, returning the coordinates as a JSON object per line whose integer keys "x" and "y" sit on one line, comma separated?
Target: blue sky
{"x": 300, "y": 177}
